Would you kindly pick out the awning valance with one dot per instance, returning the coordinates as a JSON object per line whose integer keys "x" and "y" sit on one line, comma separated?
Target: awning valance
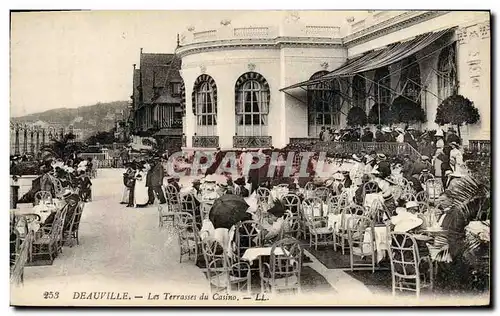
{"x": 383, "y": 57}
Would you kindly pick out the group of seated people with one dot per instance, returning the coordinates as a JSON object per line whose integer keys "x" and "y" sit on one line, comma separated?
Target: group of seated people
{"x": 74, "y": 175}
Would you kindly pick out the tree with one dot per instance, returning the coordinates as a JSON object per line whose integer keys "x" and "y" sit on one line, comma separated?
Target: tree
{"x": 380, "y": 114}
{"x": 102, "y": 138}
{"x": 457, "y": 110}
{"x": 63, "y": 147}
{"x": 356, "y": 117}
{"x": 407, "y": 111}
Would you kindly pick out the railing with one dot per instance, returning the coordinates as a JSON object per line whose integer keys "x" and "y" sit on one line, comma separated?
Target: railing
{"x": 480, "y": 145}
{"x": 251, "y": 31}
{"x": 94, "y": 156}
{"x": 252, "y": 141}
{"x": 205, "y": 141}
{"x": 109, "y": 163}
{"x": 356, "y": 147}
{"x": 204, "y": 35}
{"x": 324, "y": 31}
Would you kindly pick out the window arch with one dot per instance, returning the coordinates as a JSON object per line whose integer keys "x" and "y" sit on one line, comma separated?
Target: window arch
{"x": 447, "y": 72}
{"x": 252, "y": 104}
{"x": 359, "y": 91}
{"x": 382, "y": 83}
{"x": 204, "y": 100}
{"x": 324, "y": 104}
{"x": 410, "y": 78}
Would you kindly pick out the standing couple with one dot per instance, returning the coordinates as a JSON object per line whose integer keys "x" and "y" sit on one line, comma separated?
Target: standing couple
{"x": 146, "y": 183}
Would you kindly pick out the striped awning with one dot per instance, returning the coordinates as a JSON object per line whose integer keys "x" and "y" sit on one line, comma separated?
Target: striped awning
{"x": 383, "y": 57}
{"x": 202, "y": 79}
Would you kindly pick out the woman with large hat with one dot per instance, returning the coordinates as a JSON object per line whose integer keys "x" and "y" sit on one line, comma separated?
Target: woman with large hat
{"x": 456, "y": 158}
{"x": 439, "y": 154}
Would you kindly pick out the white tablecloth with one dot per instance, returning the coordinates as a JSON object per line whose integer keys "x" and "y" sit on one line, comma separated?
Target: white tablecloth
{"x": 42, "y": 210}
{"x": 380, "y": 242}
{"x": 254, "y": 253}
{"x": 373, "y": 199}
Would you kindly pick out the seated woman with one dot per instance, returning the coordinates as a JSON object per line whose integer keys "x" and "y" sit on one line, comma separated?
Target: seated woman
{"x": 273, "y": 223}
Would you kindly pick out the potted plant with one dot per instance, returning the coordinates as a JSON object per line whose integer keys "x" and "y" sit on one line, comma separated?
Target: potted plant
{"x": 457, "y": 110}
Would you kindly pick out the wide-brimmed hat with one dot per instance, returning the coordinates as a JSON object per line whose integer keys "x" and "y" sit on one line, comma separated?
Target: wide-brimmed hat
{"x": 400, "y": 130}
{"x": 391, "y": 181}
{"x": 425, "y": 158}
{"x": 67, "y": 193}
{"x": 381, "y": 156}
{"x": 355, "y": 157}
{"x": 338, "y": 176}
{"x": 439, "y": 133}
{"x": 386, "y": 129}
{"x": 336, "y": 131}
{"x": 451, "y": 129}
{"x": 369, "y": 158}
{"x": 411, "y": 204}
{"x": 406, "y": 221}
{"x": 328, "y": 182}
{"x": 448, "y": 172}
{"x": 410, "y": 129}
{"x": 454, "y": 144}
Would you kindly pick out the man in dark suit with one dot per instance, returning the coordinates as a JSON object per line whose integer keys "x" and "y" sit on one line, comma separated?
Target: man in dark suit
{"x": 409, "y": 138}
{"x": 379, "y": 135}
{"x": 452, "y": 136}
{"x": 154, "y": 181}
{"x": 367, "y": 136}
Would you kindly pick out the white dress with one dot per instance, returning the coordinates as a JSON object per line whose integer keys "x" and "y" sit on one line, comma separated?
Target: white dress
{"x": 456, "y": 160}
{"x": 141, "y": 197}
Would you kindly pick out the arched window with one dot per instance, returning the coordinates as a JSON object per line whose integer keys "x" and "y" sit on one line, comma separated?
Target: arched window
{"x": 383, "y": 82}
{"x": 204, "y": 100}
{"x": 324, "y": 104}
{"x": 252, "y": 104}
{"x": 447, "y": 72}
{"x": 410, "y": 78}
{"x": 359, "y": 91}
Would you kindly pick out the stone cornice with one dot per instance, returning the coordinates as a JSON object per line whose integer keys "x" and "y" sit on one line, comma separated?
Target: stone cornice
{"x": 275, "y": 43}
{"x": 390, "y": 25}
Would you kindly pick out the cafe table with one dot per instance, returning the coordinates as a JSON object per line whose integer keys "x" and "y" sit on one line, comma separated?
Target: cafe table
{"x": 252, "y": 254}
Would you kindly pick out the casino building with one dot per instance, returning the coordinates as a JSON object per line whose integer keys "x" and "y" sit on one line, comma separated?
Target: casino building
{"x": 271, "y": 78}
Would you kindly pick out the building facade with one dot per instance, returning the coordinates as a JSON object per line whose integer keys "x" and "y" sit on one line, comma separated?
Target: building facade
{"x": 258, "y": 85}
{"x": 155, "y": 109}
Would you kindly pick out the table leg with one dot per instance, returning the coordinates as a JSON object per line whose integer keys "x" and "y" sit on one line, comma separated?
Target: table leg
{"x": 260, "y": 276}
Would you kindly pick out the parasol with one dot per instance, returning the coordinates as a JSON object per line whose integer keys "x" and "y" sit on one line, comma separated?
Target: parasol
{"x": 228, "y": 210}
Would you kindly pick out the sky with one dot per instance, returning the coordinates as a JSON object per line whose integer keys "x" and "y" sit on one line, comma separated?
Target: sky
{"x": 72, "y": 59}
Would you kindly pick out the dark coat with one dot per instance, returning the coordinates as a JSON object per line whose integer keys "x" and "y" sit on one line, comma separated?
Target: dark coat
{"x": 453, "y": 138}
{"x": 367, "y": 137}
{"x": 379, "y": 136}
{"x": 157, "y": 174}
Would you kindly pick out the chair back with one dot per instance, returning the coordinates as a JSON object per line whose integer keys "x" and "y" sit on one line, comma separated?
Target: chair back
{"x": 322, "y": 193}
{"x": 291, "y": 202}
{"x": 424, "y": 176}
{"x": 434, "y": 189}
{"x": 77, "y": 215}
{"x": 333, "y": 204}
{"x": 370, "y": 187}
{"x": 313, "y": 207}
{"x": 188, "y": 203}
{"x": 422, "y": 196}
{"x": 404, "y": 257}
{"x": 43, "y": 196}
{"x": 310, "y": 186}
{"x": 58, "y": 224}
{"x": 397, "y": 191}
{"x": 212, "y": 249}
{"x": 405, "y": 184}
{"x": 248, "y": 234}
{"x": 407, "y": 196}
{"x": 263, "y": 195}
{"x": 173, "y": 198}
{"x": 356, "y": 229}
{"x": 286, "y": 263}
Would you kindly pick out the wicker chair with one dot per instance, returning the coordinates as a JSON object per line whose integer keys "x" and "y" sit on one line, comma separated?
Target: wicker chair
{"x": 407, "y": 196}
{"x": 43, "y": 196}
{"x": 58, "y": 188}
{"x": 341, "y": 233}
{"x": 70, "y": 234}
{"x": 282, "y": 273}
{"x": 50, "y": 243}
{"x": 173, "y": 204}
{"x": 222, "y": 274}
{"x": 406, "y": 265}
{"x": 263, "y": 195}
{"x": 322, "y": 193}
{"x": 358, "y": 246}
{"x": 22, "y": 257}
{"x": 188, "y": 236}
{"x": 291, "y": 202}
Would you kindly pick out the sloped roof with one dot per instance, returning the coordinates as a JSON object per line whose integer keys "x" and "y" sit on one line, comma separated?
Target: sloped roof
{"x": 167, "y": 99}
{"x": 156, "y": 70}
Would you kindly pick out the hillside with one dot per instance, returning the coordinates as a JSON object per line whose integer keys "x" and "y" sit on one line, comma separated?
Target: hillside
{"x": 97, "y": 117}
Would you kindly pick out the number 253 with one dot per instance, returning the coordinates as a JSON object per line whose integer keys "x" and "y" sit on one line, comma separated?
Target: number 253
{"x": 50, "y": 295}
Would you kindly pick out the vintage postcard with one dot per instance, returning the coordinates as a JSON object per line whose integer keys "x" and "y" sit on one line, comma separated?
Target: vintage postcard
{"x": 250, "y": 158}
